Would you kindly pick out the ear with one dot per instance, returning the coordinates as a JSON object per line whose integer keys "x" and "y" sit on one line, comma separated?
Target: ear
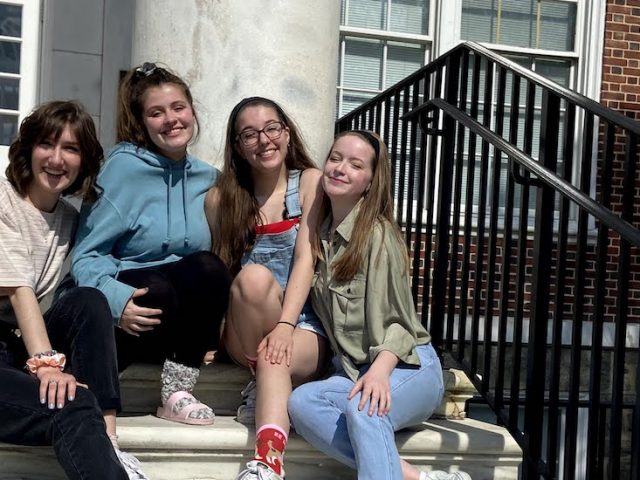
{"x": 288, "y": 132}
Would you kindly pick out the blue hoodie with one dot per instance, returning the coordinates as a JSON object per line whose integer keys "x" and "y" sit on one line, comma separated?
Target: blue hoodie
{"x": 150, "y": 212}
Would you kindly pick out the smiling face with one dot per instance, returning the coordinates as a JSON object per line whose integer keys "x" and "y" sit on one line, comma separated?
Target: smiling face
{"x": 266, "y": 155}
{"x": 55, "y": 165}
{"x": 168, "y": 119}
{"x": 348, "y": 170}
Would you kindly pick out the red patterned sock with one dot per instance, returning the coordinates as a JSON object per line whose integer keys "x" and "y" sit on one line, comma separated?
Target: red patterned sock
{"x": 270, "y": 443}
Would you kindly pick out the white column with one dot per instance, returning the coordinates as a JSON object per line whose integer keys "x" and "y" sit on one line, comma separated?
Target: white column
{"x": 286, "y": 50}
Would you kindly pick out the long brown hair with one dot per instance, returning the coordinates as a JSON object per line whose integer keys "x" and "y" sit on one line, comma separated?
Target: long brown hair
{"x": 49, "y": 121}
{"x": 376, "y": 211}
{"x": 131, "y": 95}
{"x": 240, "y": 210}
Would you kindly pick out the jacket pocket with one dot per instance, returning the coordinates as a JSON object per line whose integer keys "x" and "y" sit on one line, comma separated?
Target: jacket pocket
{"x": 348, "y": 304}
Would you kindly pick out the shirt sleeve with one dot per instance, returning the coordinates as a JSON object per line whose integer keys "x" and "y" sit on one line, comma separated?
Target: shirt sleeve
{"x": 389, "y": 304}
{"x": 93, "y": 263}
{"x": 16, "y": 267}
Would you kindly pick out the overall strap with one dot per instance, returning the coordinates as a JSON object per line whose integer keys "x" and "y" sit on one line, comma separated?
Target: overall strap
{"x": 292, "y": 197}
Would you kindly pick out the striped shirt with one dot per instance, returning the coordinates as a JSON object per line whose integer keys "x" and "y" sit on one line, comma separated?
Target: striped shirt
{"x": 33, "y": 244}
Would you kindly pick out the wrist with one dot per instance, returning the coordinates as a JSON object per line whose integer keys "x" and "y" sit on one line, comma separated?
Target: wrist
{"x": 49, "y": 358}
{"x": 284, "y": 322}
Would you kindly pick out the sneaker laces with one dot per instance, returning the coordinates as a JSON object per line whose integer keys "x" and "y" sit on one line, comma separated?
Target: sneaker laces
{"x": 441, "y": 475}
{"x": 131, "y": 464}
{"x": 258, "y": 471}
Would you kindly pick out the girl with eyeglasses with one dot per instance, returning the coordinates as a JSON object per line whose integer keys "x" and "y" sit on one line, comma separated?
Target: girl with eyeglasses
{"x": 58, "y": 374}
{"x": 388, "y": 375}
{"x": 263, "y": 213}
{"x": 146, "y": 244}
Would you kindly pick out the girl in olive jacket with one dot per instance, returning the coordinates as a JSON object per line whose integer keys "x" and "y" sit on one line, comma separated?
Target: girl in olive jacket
{"x": 388, "y": 375}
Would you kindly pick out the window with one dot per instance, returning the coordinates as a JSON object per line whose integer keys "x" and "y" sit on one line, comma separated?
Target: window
{"x": 19, "y": 24}
{"x": 381, "y": 42}
{"x": 539, "y": 35}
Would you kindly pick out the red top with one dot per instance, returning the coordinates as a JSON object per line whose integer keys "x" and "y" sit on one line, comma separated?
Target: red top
{"x": 278, "y": 227}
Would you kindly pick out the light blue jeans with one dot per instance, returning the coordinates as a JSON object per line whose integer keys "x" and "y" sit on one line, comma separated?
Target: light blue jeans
{"x": 321, "y": 413}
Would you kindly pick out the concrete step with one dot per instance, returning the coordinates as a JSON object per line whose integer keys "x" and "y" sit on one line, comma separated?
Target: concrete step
{"x": 220, "y": 384}
{"x": 170, "y": 451}
{"x": 179, "y": 452}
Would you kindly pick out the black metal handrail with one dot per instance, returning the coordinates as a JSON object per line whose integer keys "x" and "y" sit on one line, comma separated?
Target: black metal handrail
{"x": 630, "y": 233}
{"x": 517, "y": 252}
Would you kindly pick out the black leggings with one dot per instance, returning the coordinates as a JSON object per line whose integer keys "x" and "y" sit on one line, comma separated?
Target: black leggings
{"x": 193, "y": 294}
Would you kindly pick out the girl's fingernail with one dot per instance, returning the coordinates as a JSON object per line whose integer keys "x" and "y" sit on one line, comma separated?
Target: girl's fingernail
{"x": 60, "y": 405}
{"x": 51, "y": 406}
{"x": 71, "y": 398}
{"x": 42, "y": 401}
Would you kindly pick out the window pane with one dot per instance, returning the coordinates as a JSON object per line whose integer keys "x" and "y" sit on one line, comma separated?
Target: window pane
{"x": 557, "y": 25}
{"x": 362, "y": 64}
{"x": 409, "y": 16}
{"x": 9, "y": 57}
{"x": 8, "y": 128}
{"x": 557, "y": 70}
{"x": 543, "y": 24}
{"x": 10, "y": 20}
{"x": 352, "y": 100}
{"x": 365, "y": 13}
{"x": 9, "y": 93}
{"x": 517, "y": 24}
{"x": 402, "y": 60}
{"x": 478, "y": 20}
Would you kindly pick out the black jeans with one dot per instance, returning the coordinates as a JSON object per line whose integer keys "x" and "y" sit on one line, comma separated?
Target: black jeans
{"x": 193, "y": 294}
{"x": 79, "y": 325}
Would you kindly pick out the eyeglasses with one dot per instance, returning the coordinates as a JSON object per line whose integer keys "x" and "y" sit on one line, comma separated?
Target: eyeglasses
{"x": 251, "y": 137}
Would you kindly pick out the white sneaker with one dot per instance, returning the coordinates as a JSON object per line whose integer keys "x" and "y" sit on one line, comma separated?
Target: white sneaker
{"x": 131, "y": 464}
{"x": 247, "y": 409}
{"x": 440, "y": 475}
{"x": 258, "y": 471}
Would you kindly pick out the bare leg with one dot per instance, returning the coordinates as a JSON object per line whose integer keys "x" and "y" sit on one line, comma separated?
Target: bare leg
{"x": 274, "y": 381}
{"x": 255, "y": 305}
{"x": 110, "y": 421}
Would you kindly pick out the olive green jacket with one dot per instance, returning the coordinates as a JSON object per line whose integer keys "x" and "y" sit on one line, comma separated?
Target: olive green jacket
{"x": 372, "y": 312}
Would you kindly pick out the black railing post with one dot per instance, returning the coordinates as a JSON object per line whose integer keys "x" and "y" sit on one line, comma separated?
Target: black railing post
{"x": 447, "y": 161}
{"x": 542, "y": 246}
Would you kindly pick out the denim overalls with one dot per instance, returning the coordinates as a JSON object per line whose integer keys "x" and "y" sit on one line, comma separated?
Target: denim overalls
{"x": 275, "y": 251}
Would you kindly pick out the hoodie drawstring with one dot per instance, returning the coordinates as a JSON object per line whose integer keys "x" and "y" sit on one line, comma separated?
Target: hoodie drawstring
{"x": 185, "y": 176}
{"x": 167, "y": 238}
{"x": 185, "y": 214}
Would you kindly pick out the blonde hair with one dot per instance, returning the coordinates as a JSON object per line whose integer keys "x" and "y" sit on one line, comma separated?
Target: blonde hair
{"x": 376, "y": 211}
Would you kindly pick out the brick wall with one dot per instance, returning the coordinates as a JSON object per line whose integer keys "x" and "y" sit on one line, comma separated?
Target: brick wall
{"x": 621, "y": 92}
{"x": 621, "y": 61}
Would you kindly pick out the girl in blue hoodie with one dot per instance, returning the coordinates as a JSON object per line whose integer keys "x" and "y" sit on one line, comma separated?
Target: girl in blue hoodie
{"x": 146, "y": 245}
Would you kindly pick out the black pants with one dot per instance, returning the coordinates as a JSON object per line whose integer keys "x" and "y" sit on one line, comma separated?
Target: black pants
{"x": 79, "y": 325}
{"x": 193, "y": 294}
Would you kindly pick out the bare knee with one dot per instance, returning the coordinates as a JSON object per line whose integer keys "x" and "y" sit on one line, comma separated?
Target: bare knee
{"x": 254, "y": 285}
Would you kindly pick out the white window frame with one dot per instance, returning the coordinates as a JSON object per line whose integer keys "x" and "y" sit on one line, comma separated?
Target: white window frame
{"x": 29, "y": 64}
{"x": 587, "y": 55}
{"x": 424, "y": 41}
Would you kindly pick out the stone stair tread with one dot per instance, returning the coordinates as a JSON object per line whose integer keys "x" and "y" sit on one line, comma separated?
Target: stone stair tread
{"x": 172, "y": 451}
{"x": 438, "y": 436}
